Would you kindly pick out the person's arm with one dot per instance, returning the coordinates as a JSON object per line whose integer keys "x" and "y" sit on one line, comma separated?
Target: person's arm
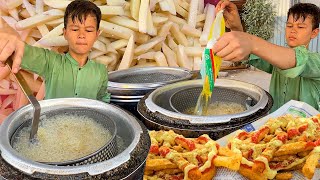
{"x": 236, "y": 46}
{"x": 281, "y": 57}
{"x": 103, "y": 95}
{"x": 230, "y": 14}
{"x": 260, "y": 64}
{"x": 39, "y": 60}
{"x": 307, "y": 64}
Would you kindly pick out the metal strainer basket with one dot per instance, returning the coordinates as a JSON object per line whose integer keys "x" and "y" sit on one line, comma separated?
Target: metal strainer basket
{"x": 186, "y": 99}
{"x": 108, "y": 151}
{"x": 172, "y": 100}
{"x": 150, "y": 77}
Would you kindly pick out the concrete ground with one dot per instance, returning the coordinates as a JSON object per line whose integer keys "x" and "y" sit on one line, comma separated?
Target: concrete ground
{"x": 250, "y": 75}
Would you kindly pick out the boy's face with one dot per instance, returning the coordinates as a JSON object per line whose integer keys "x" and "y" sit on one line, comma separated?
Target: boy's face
{"x": 81, "y": 36}
{"x": 300, "y": 32}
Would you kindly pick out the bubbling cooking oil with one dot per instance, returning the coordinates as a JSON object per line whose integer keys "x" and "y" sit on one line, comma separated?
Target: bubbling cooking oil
{"x": 220, "y": 108}
{"x": 62, "y": 138}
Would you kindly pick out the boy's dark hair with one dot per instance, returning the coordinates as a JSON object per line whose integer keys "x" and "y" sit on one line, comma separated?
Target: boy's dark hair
{"x": 80, "y": 9}
{"x": 304, "y": 10}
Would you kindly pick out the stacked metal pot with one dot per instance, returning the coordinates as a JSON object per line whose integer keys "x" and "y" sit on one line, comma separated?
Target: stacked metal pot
{"x": 126, "y": 160}
{"x": 128, "y": 86}
{"x": 164, "y": 108}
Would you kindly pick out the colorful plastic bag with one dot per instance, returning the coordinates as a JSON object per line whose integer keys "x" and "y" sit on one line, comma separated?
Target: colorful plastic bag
{"x": 210, "y": 65}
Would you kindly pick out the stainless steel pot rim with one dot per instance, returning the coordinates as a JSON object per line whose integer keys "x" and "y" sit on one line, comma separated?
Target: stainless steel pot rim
{"x": 74, "y": 161}
{"x": 203, "y": 131}
{"x": 128, "y": 92}
{"x": 30, "y": 167}
{"x": 125, "y": 100}
{"x": 143, "y": 86}
{"x": 207, "y": 119}
{"x": 114, "y": 86}
{"x": 125, "y": 97}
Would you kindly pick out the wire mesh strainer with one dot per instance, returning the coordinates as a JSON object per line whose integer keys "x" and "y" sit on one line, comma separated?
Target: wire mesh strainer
{"x": 184, "y": 99}
{"x": 150, "y": 77}
{"x": 139, "y": 81}
{"x": 108, "y": 151}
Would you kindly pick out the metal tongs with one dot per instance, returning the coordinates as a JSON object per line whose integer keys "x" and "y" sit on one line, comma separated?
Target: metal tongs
{"x": 33, "y": 101}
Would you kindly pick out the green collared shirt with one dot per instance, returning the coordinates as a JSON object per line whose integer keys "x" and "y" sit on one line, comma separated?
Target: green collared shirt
{"x": 300, "y": 83}
{"x": 63, "y": 76}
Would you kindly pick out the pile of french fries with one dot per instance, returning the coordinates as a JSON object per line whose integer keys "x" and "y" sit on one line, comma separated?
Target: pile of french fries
{"x": 11, "y": 95}
{"x": 282, "y": 145}
{"x": 135, "y": 33}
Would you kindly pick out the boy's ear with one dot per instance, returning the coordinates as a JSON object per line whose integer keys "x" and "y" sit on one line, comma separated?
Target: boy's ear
{"x": 314, "y": 33}
{"x": 98, "y": 33}
{"x": 64, "y": 32}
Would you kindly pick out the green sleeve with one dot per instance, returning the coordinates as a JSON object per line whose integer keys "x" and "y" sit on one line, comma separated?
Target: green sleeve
{"x": 103, "y": 95}
{"x": 307, "y": 64}
{"x": 39, "y": 60}
{"x": 260, "y": 63}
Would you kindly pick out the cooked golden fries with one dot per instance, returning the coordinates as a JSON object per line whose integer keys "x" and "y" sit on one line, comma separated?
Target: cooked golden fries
{"x": 291, "y": 144}
{"x": 197, "y": 158}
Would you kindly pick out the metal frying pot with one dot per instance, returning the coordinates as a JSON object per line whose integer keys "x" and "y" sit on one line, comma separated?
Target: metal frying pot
{"x": 139, "y": 81}
{"x": 163, "y": 108}
{"x": 108, "y": 151}
{"x": 128, "y": 86}
{"x": 132, "y": 138}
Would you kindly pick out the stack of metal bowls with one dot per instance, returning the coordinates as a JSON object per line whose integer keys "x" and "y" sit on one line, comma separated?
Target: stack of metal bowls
{"x": 128, "y": 86}
{"x": 125, "y": 161}
{"x": 165, "y": 107}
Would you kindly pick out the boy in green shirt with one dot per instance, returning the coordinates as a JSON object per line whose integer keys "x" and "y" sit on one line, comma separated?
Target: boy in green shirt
{"x": 65, "y": 75}
{"x": 295, "y": 70}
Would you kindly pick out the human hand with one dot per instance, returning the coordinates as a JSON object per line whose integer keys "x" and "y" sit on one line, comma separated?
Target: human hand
{"x": 230, "y": 14}
{"x": 11, "y": 44}
{"x": 234, "y": 46}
